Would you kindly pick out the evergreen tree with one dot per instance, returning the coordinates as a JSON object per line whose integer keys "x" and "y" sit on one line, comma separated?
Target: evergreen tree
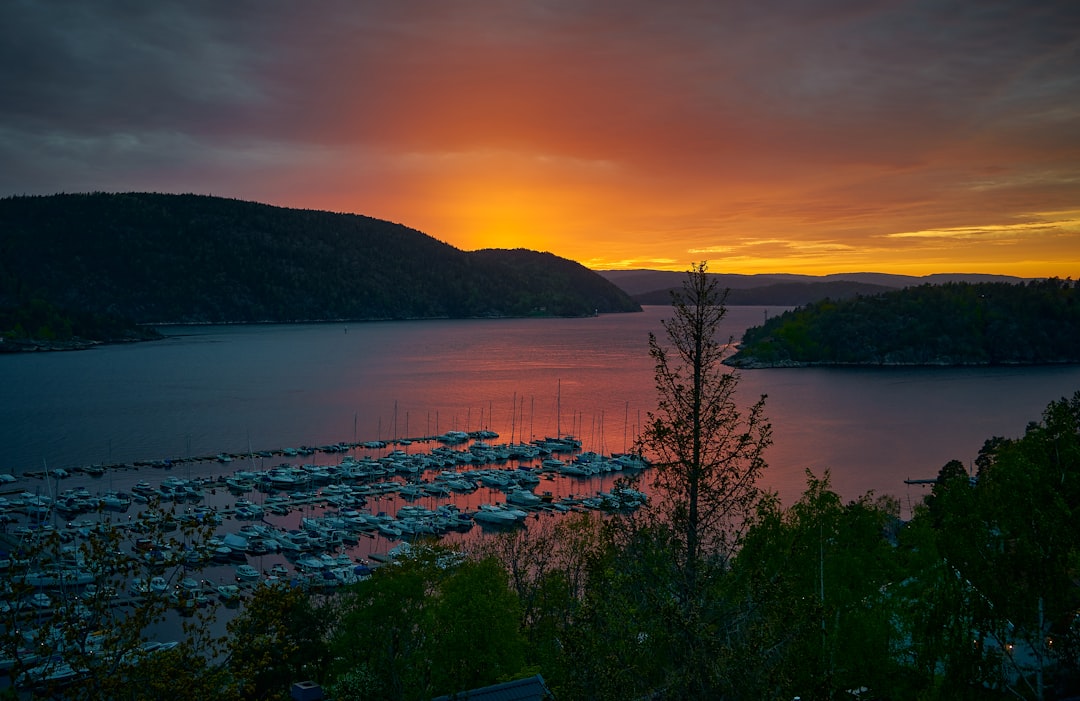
{"x": 709, "y": 452}
{"x": 707, "y": 455}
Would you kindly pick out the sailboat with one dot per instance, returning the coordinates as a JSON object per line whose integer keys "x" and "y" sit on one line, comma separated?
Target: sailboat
{"x": 559, "y": 443}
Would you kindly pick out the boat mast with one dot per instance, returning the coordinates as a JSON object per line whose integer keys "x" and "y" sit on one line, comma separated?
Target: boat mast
{"x": 513, "y": 417}
{"x": 558, "y": 408}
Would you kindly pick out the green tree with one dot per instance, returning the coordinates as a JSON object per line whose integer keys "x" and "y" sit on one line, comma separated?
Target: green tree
{"x": 708, "y": 452}
{"x": 628, "y": 636}
{"x": 277, "y": 639}
{"x": 940, "y": 616}
{"x": 1007, "y": 557}
{"x": 434, "y": 622}
{"x": 816, "y": 612}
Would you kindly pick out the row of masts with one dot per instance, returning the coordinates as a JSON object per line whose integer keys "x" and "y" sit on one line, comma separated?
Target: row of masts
{"x": 517, "y": 412}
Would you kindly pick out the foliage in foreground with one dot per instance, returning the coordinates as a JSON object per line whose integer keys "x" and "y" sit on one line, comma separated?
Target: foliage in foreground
{"x": 432, "y": 623}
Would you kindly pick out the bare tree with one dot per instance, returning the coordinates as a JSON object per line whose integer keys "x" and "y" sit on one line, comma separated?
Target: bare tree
{"x": 707, "y": 452}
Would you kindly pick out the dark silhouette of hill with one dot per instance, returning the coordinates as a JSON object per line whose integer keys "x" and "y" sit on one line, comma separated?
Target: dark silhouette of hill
{"x": 158, "y": 258}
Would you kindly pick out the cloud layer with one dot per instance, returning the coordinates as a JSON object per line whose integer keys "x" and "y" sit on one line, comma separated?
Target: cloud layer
{"x": 769, "y": 136}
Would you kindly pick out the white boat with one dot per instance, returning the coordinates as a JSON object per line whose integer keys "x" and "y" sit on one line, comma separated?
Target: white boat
{"x": 117, "y": 501}
{"x": 514, "y": 511}
{"x": 143, "y": 488}
{"x": 239, "y": 484}
{"x": 190, "y": 584}
{"x": 552, "y": 464}
{"x": 631, "y": 461}
{"x": 526, "y": 475}
{"x": 54, "y": 671}
{"x": 389, "y": 530}
{"x": 229, "y": 592}
{"x": 235, "y": 542}
{"x": 575, "y": 469}
{"x": 310, "y": 564}
{"x": 494, "y": 515}
{"x": 494, "y": 479}
{"x": 522, "y": 497}
{"x": 57, "y": 576}
{"x": 246, "y": 573}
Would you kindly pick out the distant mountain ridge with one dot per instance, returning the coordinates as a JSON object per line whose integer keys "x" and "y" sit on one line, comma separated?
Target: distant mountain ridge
{"x": 158, "y": 258}
{"x": 785, "y": 289}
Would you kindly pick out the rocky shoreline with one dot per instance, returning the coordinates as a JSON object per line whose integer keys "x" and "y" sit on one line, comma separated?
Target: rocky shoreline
{"x": 37, "y": 345}
{"x": 41, "y": 345}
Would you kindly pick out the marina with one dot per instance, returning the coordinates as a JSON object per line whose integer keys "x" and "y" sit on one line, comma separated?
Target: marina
{"x": 317, "y": 518}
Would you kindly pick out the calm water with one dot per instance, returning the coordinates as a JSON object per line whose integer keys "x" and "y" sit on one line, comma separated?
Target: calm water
{"x": 207, "y": 390}
{"x": 204, "y": 391}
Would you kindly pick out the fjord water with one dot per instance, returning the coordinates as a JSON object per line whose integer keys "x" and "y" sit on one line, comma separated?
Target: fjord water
{"x": 207, "y": 390}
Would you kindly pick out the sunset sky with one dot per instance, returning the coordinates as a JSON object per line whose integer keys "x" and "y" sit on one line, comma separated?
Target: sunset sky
{"x": 764, "y": 136}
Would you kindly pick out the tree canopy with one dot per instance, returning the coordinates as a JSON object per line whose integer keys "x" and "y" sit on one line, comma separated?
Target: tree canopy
{"x": 949, "y": 324}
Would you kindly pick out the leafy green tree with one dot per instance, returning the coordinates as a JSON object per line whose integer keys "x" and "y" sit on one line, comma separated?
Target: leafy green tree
{"x": 161, "y": 675}
{"x": 277, "y": 639}
{"x": 619, "y": 644}
{"x": 431, "y": 623}
{"x": 939, "y": 615}
{"x": 816, "y": 614}
{"x": 1008, "y": 557}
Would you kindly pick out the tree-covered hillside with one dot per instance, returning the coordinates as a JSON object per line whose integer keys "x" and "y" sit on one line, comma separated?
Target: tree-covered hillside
{"x": 951, "y": 324}
{"x": 156, "y": 258}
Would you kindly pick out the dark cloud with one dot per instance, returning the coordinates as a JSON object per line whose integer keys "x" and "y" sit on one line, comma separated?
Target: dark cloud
{"x": 685, "y": 99}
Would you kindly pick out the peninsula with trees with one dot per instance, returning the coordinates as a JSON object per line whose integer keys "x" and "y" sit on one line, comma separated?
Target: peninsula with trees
{"x": 1029, "y": 323}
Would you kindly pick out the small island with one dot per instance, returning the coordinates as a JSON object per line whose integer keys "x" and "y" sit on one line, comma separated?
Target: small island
{"x": 954, "y": 324}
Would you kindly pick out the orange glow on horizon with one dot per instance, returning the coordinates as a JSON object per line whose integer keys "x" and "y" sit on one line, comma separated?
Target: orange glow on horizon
{"x": 474, "y": 213}
{"x": 619, "y": 135}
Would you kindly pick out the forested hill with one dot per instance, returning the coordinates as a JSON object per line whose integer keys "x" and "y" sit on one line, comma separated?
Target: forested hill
{"x": 156, "y": 258}
{"x": 950, "y": 324}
